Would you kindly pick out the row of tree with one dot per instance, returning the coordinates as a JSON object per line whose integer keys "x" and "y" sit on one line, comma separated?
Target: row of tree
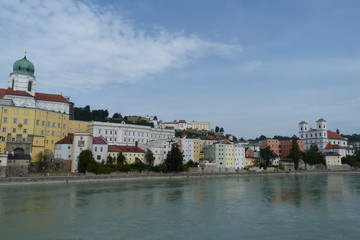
{"x": 173, "y": 162}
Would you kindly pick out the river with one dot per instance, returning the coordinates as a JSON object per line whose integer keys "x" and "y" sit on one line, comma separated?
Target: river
{"x": 314, "y": 206}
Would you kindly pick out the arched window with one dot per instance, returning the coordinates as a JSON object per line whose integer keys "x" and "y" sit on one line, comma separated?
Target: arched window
{"x": 12, "y": 84}
{"x": 29, "y": 86}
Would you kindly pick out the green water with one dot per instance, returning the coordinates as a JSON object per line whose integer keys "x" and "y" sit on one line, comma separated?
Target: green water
{"x": 255, "y": 207}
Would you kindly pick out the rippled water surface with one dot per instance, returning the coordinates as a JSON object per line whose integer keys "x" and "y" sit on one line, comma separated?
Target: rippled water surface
{"x": 254, "y": 207}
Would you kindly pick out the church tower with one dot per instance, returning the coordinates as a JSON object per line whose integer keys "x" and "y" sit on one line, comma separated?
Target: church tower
{"x": 22, "y": 78}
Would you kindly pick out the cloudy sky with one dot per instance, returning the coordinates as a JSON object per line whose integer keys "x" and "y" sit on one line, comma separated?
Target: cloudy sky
{"x": 251, "y": 67}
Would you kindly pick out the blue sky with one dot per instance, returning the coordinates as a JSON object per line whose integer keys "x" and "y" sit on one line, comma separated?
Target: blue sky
{"x": 251, "y": 67}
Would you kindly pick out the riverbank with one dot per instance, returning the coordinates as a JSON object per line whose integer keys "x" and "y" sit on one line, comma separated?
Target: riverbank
{"x": 145, "y": 176}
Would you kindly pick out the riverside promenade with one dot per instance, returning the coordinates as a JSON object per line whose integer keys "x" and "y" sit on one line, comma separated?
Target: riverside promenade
{"x": 47, "y": 179}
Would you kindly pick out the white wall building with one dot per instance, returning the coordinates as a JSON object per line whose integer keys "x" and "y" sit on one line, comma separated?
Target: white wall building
{"x": 320, "y": 135}
{"x": 239, "y": 155}
{"x": 128, "y": 134}
{"x": 160, "y": 149}
{"x": 187, "y": 148}
{"x": 99, "y": 149}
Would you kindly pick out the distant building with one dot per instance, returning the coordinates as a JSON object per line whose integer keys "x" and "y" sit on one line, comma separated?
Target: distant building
{"x": 183, "y": 125}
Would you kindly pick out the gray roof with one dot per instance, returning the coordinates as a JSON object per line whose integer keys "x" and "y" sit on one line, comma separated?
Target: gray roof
{"x": 321, "y": 120}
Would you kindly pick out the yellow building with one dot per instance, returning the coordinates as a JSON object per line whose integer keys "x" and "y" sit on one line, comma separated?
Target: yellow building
{"x": 229, "y": 156}
{"x": 132, "y": 153}
{"x": 33, "y": 131}
{"x": 197, "y": 150}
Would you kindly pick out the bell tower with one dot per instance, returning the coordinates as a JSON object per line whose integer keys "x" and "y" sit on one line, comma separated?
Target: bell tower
{"x": 22, "y": 78}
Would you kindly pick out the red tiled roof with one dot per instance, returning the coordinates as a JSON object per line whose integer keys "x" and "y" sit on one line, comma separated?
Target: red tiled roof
{"x": 182, "y": 121}
{"x": 225, "y": 141}
{"x": 117, "y": 148}
{"x": 66, "y": 140}
{"x": 332, "y": 146}
{"x": 10, "y": 91}
{"x": 50, "y": 97}
{"x": 99, "y": 140}
{"x": 332, "y": 134}
{"x": 38, "y": 96}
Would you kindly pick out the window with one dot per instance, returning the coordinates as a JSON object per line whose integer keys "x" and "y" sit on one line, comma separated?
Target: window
{"x": 53, "y": 124}
{"x": 14, "y": 130}
{"x": 98, "y": 157}
{"x": 29, "y": 86}
{"x": 24, "y": 130}
{"x": 48, "y": 124}
{"x": 5, "y": 120}
{"x": 25, "y": 121}
{"x": 5, "y": 110}
{"x": 43, "y": 123}
{"x": 15, "y": 120}
{"x": 101, "y": 149}
{"x": 95, "y": 149}
{"x": 59, "y": 125}
{"x": 37, "y": 122}
{"x": 13, "y": 139}
{"x": 69, "y": 147}
{"x": 4, "y": 129}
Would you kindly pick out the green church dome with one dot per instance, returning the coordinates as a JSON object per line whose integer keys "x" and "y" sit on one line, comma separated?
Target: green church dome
{"x": 23, "y": 66}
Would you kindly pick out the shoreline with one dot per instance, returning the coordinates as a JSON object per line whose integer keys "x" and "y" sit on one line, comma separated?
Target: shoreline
{"x": 11, "y": 181}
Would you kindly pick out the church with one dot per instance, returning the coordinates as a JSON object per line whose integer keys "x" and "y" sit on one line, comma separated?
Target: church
{"x": 32, "y": 122}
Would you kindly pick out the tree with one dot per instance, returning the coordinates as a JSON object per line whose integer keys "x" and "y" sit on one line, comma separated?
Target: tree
{"x": 221, "y": 130}
{"x": 149, "y": 157}
{"x": 117, "y": 115}
{"x": 268, "y": 155}
{"x": 39, "y": 156}
{"x": 295, "y": 153}
{"x": 174, "y": 159}
{"x": 312, "y": 156}
{"x": 353, "y": 161}
{"x": 217, "y": 129}
{"x": 85, "y": 159}
{"x": 121, "y": 159}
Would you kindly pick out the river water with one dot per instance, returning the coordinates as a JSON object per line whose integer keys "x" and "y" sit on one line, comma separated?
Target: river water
{"x": 324, "y": 206}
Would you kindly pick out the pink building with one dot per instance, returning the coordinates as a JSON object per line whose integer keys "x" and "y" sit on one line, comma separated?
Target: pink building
{"x": 281, "y": 148}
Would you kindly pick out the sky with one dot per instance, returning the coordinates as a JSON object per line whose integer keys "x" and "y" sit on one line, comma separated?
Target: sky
{"x": 252, "y": 67}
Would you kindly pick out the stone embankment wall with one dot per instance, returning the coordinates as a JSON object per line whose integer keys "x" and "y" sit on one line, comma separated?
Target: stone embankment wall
{"x": 13, "y": 171}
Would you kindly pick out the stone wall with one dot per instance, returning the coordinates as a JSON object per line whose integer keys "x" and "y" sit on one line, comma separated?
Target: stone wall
{"x": 13, "y": 171}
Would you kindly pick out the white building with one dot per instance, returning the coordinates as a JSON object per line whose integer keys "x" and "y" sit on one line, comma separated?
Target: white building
{"x": 187, "y": 148}
{"x": 239, "y": 156}
{"x": 99, "y": 149}
{"x": 128, "y": 134}
{"x": 160, "y": 149}
{"x": 183, "y": 125}
{"x": 320, "y": 135}
{"x": 63, "y": 148}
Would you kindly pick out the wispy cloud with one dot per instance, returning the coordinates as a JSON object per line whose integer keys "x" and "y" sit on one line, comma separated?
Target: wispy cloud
{"x": 78, "y": 42}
